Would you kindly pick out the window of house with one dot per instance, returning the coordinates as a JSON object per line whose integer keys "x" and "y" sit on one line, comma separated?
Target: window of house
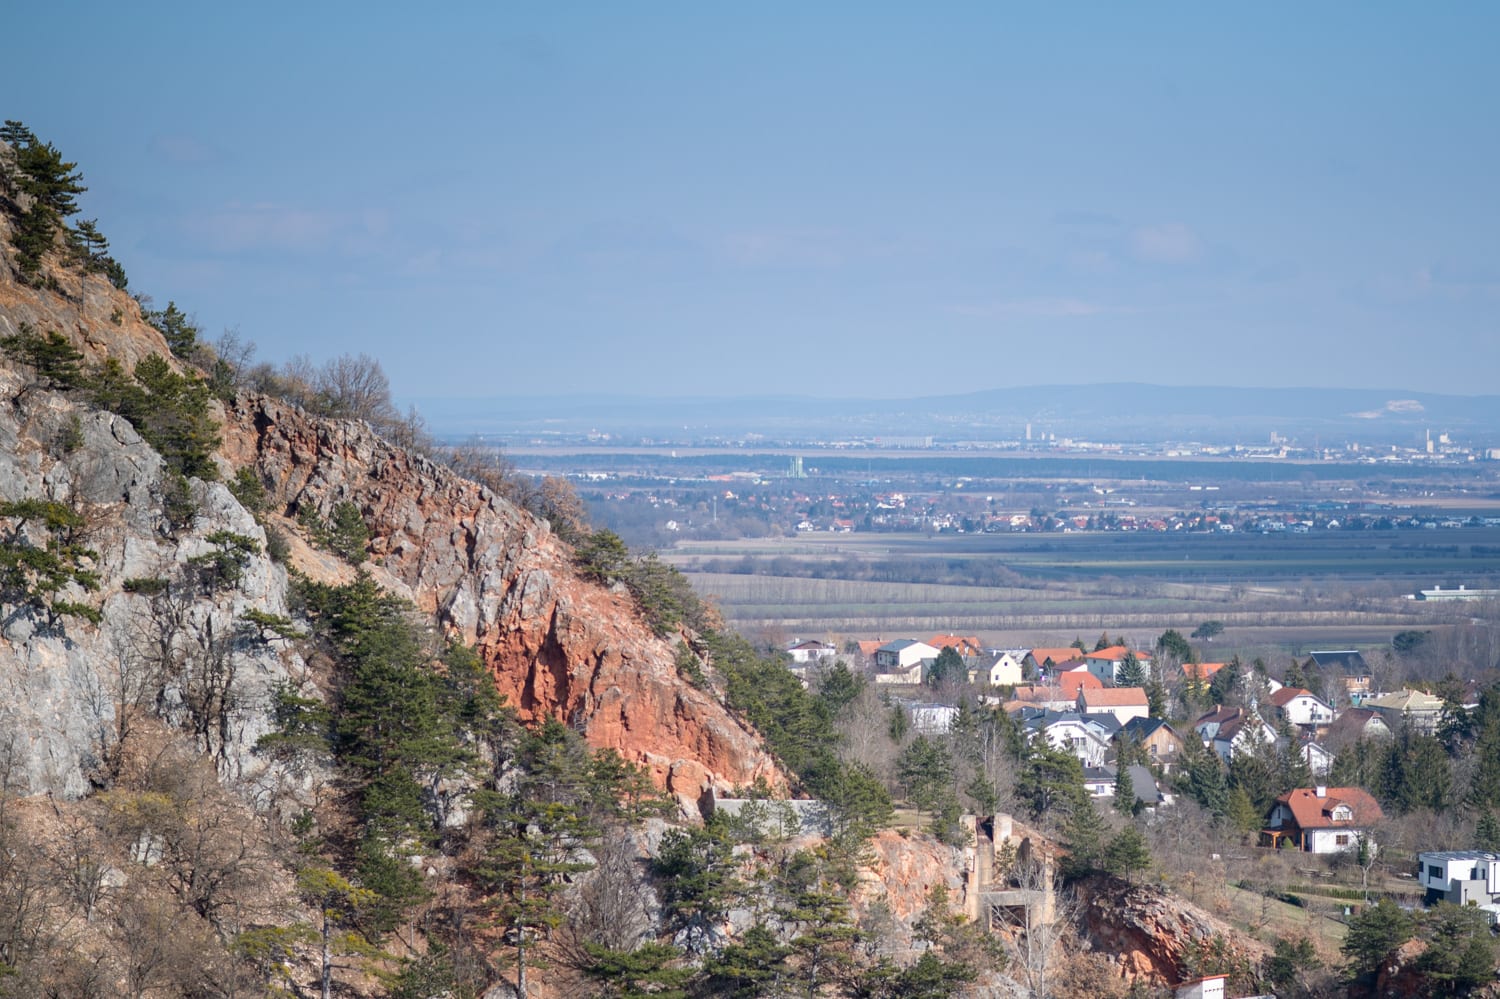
{"x": 1342, "y": 839}
{"x": 1434, "y": 871}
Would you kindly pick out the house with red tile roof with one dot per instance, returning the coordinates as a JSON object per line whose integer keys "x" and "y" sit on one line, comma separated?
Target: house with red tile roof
{"x": 1072, "y": 683}
{"x": 965, "y": 645}
{"x": 1302, "y": 707}
{"x": 1106, "y": 663}
{"x": 1124, "y": 703}
{"x": 1038, "y": 659}
{"x": 1321, "y": 819}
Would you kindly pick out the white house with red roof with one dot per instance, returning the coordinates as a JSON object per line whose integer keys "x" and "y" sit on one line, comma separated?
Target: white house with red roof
{"x": 1106, "y": 663}
{"x": 1322, "y": 819}
{"x": 1124, "y": 703}
{"x": 1302, "y": 707}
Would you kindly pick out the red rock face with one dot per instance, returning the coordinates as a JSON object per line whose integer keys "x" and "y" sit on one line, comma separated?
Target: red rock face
{"x": 497, "y": 578}
{"x": 1146, "y": 931}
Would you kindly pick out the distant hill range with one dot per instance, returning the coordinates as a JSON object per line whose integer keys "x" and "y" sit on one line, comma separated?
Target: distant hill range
{"x": 1120, "y": 412}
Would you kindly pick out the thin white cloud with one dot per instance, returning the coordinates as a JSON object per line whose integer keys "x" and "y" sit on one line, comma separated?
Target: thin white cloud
{"x": 1167, "y": 243}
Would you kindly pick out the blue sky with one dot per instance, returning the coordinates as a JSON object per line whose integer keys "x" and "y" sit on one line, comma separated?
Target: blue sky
{"x": 840, "y": 199}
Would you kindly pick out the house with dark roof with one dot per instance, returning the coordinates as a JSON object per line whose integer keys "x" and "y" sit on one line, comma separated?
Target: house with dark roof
{"x": 1087, "y": 737}
{"x": 1356, "y": 723}
{"x": 1160, "y": 740}
{"x": 1099, "y": 782}
{"x": 1321, "y": 819}
{"x": 1229, "y": 731}
{"x": 1346, "y": 666}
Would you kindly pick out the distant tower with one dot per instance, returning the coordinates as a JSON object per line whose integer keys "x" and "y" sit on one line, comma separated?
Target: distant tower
{"x": 795, "y": 471}
{"x": 1028, "y": 432}
{"x": 1429, "y": 441}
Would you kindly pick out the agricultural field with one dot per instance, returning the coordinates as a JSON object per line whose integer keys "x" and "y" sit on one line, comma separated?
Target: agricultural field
{"x": 1285, "y": 591}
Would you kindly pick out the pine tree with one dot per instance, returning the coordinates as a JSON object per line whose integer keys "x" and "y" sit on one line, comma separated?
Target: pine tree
{"x": 1127, "y": 854}
{"x": 1125, "y": 799}
{"x": 1132, "y": 673}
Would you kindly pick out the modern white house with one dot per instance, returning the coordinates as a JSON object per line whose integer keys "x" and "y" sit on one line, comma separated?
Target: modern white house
{"x": 1463, "y": 877}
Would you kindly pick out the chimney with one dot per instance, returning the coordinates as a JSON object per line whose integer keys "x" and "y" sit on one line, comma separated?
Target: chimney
{"x": 1322, "y": 790}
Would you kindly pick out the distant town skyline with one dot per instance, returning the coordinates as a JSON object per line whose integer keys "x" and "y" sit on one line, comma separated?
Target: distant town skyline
{"x": 840, "y": 200}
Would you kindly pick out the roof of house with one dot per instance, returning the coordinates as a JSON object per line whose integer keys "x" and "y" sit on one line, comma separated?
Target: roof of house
{"x": 1353, "y": 722}
{"x": 1205, "y": 670}
{"x": 1143, "y": 728}
{"x": 869, "y": 648}
{"x": 1074, "y": 682}
{"x": 962, "y": 644}
{"x": 1056, "y": 655}
{"x": 898, "y": 645}
{"x": 1310, "y": 811}
{"x": 1406, "y": 700}
{"x": 1287, "y": 695}
{"x": 1115, "y": 697}
{"x": 1031, "y": 697}
{"x": 1116, "y": 653}
{"x": 1348, "y": 660}
{"x": 1230, "y": 721}
{"x": 810, "y": 644}
{"x": 1104, "y": 726}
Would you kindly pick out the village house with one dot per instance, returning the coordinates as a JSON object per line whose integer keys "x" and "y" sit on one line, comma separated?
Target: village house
{"x": 966, "y": 646}
{"x": 1422, "y": 711}
{"x": 902, "y": 661}
{"x": 1160, "y": 741}
{"x": 1353, "y": 724}
{"x": 1321, "y": 819}
{"x": 1106, "y": 663}
{"x": 1004, "y": 670}
{"x": 1086, "y": 737}
{"x": 1230, "y": 731}
{"x": 1041, "y": 699}
{"x": 1123, "y": 703}
{"x": 1345, "y": 667}
{"x": 1319, "y": 760}
{"x": 1302, "y": 708}
{"x": 1039, "y": 660}
{"x": 1100, "y": 782}
{"x": 1463, "y": 877}
{"x": 811, "y": 652}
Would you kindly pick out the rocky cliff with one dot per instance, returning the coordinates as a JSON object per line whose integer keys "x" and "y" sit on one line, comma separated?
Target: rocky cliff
{"x": 499, "y": 579}
{"x": 1146, "y": 933}
{"x": 489, "y": 573}
{"x": 68, "y": 687}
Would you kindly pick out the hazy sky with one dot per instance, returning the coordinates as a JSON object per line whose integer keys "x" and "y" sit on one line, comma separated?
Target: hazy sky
{"x": 838, "y": 199}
